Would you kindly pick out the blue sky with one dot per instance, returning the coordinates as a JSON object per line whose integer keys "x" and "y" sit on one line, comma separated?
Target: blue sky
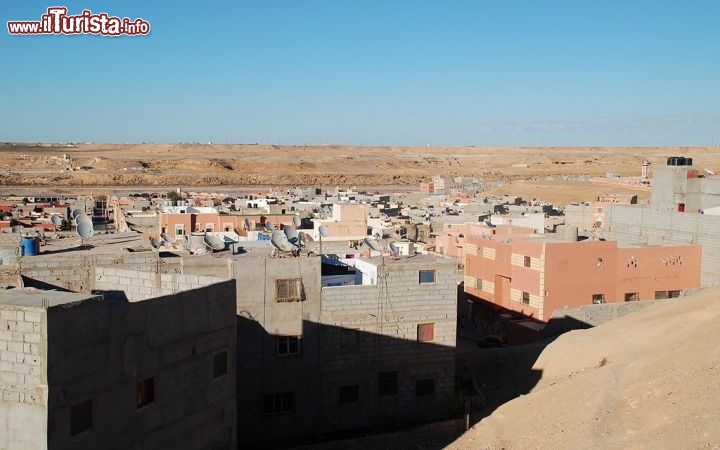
{"x": 403, "y": 72}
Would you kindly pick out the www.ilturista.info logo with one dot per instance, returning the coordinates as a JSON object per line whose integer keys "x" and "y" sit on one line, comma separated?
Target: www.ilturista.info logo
{"x": 56, "y": 21}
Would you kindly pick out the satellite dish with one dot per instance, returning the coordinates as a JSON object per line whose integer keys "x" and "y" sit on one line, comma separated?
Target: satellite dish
{"x": 269, "y": 225}
{"x": 297, "y": 221}
{"x": 304, "y": 237}
{"x": 279, "y": 241}
{"x": 292, "y": 235}
{"x": 373, "y": 244}
{"x": 377, "y": 233}
{"x": 56, "y": 220}
{"x": 76, "y": 212}
{"x": 323, "y": 230}
{"x": 7, "y": 217}
{"x": 155, "y": 242}
{"x": 488, "y": 223}
{"x": 213, "y": 242}
{"x": 167, "y": 238}
{"x": 16, "y": 229}
{"x": 709, "y": 172}
{"x": 85, "y": 230}
{"x": 82, "y": 218}
{"x": 248, "y": 225}
{"x": 394, "y": 248}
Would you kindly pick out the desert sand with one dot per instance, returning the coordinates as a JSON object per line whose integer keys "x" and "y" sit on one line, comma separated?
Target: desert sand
{"x": 526, "y": 170}
{"x": 649, "y": 380}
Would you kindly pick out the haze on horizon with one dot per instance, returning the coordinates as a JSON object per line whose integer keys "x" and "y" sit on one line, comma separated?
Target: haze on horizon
{"x": 524, "y": 73}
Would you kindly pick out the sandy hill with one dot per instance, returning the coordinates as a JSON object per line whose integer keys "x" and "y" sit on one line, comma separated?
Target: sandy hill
{"x": 649, "y": 380}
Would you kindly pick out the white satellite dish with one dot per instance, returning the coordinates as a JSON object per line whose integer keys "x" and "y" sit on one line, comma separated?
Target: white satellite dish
{"x": 269, "y": 225}
{"x": 297, "y": 221}
{"x": 167, "y": 239}
{"x": 76, "y": 212}
{"x": 248, "y": 225}
{"x": 292, "y": 235}
{"x": 709, "y": 172}
{"x": 156, "y": 243}
{"x": 56, "y": 220}
{"x": 279, "y": 241}
{"x": 373, "y": 244}
{"x": 213, "y": 243}
{"x": 323, "y": 231}
{"x": 394, "y": 248}
{"x": 85, "y": 230}
{"x": 304, "y": 237}
{"x": 81, "y": 218}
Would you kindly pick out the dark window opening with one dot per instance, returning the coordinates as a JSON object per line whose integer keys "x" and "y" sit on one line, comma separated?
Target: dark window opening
{"x": 288, "y": 345}
{"x": 526, "y": 298}
{"x": 598, "y": 299}
{"x": 220, "y": 364}
{"x": 349, "y": 394}
{"x": 280, "y": 403}
{"x": 425, "y": 387}
{"x": 288, "y": 290}
{"x": 527, "y": 261}
{"x": 632, "y": 297}
{"x": 81, "y": 417}
{"x": 145, "y": 392}
{"x": 387, "y": 383}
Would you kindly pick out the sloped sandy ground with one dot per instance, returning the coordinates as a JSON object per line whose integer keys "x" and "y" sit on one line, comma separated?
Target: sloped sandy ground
{"x": 649, "y": 380}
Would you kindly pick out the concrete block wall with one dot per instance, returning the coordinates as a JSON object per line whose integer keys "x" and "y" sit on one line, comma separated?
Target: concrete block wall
{"x": 140, "y": 285}
{"x": 23, "y": 378}
{"x": 386, "y": 317}
{"x": 567, "y": 319}
{"x": 632, "y": 224}
{"x": 99, "y": 350}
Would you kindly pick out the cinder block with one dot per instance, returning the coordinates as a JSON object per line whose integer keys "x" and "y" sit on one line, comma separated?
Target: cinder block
{"x": 8, "y": 315}
{"x": 32, "y": 316}
{"x": 32, "y": 338}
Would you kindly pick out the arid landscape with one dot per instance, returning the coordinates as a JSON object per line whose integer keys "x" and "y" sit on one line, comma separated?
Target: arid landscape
{"x": 645, "y": 381}
{"x": 545, "y": 173}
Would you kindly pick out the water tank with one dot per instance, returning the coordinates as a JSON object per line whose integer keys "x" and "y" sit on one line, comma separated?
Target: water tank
{"x": 29, "y": 246}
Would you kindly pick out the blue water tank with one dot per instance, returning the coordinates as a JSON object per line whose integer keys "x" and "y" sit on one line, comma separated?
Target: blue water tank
{"x": 29, "y": 246}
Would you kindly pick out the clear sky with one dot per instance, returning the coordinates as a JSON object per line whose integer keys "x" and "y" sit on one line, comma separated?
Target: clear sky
{"x": 401, "y": 72}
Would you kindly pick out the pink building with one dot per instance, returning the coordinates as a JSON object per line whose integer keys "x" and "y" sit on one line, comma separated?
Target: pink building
{"x": 451, "y": 241}
{"x": 182, "y": 224}
{"x": 535, "y": 276}
{"x": 427, "y": 188}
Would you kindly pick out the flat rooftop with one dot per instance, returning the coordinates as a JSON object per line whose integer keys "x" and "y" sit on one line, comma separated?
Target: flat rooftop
{"x": 411, "y": 259}
{"x": 36, "y": 298}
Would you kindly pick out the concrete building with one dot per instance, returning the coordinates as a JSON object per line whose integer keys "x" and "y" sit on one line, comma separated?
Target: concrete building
{"x": 321, "y": 360}
{"x": 536, "y": 276}
{"x": 680, "y": 195}
{"x": 84, "y": 372}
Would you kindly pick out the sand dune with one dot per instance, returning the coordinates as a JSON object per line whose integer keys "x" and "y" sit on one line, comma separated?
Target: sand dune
{"x": 649, "y": 380}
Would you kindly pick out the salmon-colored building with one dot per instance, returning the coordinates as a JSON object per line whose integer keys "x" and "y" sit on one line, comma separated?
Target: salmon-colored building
{"x": 177, "y": 224}
{"x": 451, "y": 240}
{"x": 536, "y": 276}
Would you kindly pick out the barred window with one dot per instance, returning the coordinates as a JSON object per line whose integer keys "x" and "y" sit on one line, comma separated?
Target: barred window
{"x": 289, "y": 290}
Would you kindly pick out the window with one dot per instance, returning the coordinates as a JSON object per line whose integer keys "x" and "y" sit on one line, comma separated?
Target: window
{"x": 288, "y": 345}
{"x": 280, "y": 403}
{"x": 527, "y": 261}
{"x": 526, "y": 298}
{"x": 425, "y": 387}
{"x": 387, "y": 383}
{"x": 288, "y": 290}
{"x": 427, "y": 276}
{"x": 673, "y": 294}
{"x": 598, "y": 299}
{"x": 145, "y": 392}
{"x": 349, "y": 394}
{"x": 81, "y": 417}
{"x": 179, "y": 230}
{"x": 632, "y": 297}
{"x": 659, "y": 295}
{"x": 220, "y": 364}
{"x": 209, "y": 227}
{"x": 426, "y": 332}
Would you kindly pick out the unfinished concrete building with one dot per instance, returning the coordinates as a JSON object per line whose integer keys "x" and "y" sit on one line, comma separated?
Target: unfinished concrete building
{"x": 369, "y": 355}
{"x": 146, "y": 361}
